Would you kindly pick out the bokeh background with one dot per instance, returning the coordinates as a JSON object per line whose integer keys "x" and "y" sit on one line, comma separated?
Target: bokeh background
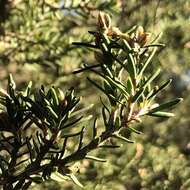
{"x": 36, "y": 44}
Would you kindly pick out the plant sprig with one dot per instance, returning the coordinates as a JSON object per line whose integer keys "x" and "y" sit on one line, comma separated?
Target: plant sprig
{"x": 37, "y": 126}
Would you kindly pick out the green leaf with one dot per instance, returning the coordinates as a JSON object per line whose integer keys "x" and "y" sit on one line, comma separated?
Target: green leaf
{"x": 166, "y": 105}
{"x": 71, "y": 135}
{"x": 108, "y": 88}
{"x": 126, "y": 46}
{"x": 157, "y": 38}
{"x": 155, "y": 45}
{"x": 94, "y": 131}
{"x": 117, "y": 122}
{"x": 148, "y": 61}
{"x": 54, "y": 97}
{"x": 11, "y": 82}
{"x": 130, "y": 66}
{"x": 30, "y": 149}
{"x": 104, "y": 47}
{"x": 11, "y": 87}
{"x": 159, "y": 89}
{"x": 106, "y": 39}
{"x": 71, "y": 123}
{"x": 131, "y": 29}
{"x": 109, "y": 146}
{"x": 104, "y": 117}
{"x": 28, "y": 89}
{"x": 58, "y": 177}
{"x": 129, "y": 86}
{"x": 95, "y": 158}
{"x": 108, "y": 72}
{"x": 137, "y": 95}
{"x": 111, "y": 97}
{"x": 134, "y": 130}
{"x": 118, "y": 85}
{"x": 101, "y": 89}
{"x": 52, "y": 112}
{"x": 104, "y": 105}
{"x": 37, "y": 179}
{"x": 86, "y": 68}
{"x": 151, "y": 78}
{"x": 81, "y": 139}
{"x": 161, "y": 114}
{"x": 75, "y": 180}
{"x": 122, "y": 138}
{"x": 63, "y": 151}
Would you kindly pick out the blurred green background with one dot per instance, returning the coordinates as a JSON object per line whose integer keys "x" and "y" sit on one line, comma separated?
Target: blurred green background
{"x": 36, "y": 44}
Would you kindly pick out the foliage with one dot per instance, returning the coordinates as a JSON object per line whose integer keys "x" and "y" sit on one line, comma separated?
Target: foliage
{"x": 36, "y": 44}
{"x": 44, "y": 153}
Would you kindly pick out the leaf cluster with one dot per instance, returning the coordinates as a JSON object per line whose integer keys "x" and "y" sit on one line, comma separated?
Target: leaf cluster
{"x": 52, "y": 116}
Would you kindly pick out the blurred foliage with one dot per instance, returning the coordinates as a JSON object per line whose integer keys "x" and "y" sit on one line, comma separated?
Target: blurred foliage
{"x": 35, "y": 44}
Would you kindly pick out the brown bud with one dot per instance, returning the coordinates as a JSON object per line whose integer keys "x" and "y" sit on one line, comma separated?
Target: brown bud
{"x": 104, "y": 22}
{"x": 139, "y": 38}
{"x": 114, "y": 32}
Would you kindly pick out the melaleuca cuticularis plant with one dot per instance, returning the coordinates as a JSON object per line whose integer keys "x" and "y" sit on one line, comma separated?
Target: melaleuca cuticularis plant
{"x": 36, "y": 126}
